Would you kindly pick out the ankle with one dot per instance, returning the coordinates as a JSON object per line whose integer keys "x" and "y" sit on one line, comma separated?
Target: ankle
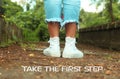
{"x": 54, "y": 41}
{"x": 54, "y": 38}
{"x": 70, "y": 41}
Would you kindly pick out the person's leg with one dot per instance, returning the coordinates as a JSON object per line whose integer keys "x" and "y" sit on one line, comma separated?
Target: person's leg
{"x": 53, "y": 18}
{"x": 70, "y": 29}
{"x": 53, "y": 28}
{"x": 71, "y": 14}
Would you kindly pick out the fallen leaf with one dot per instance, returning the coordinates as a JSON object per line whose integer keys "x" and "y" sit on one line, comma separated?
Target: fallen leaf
{"x": 44, "y": 59}
{"x": 108, "y": 72}
{"x": 59, "y": 65}
{"x": 35, "y": 62}
{"x": 38, "y": 77}
{"x": 8, "y": 52}
{"x": 31, "y": 55}
{"x": 24, "y": 49}
{"x": 51, "y": 62}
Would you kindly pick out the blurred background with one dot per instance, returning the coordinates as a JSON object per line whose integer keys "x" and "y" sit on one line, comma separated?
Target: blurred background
{"x": 24, "y": 20}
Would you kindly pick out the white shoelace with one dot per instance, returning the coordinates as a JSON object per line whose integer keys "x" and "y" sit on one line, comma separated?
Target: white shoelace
{"x": 53, "y": 43}
{"x": 72, "y": 44}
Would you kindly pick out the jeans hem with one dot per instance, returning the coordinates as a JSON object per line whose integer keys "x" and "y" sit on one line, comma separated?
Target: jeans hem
{"x": 53, "y": 20}
{"x": 69, "y": 21}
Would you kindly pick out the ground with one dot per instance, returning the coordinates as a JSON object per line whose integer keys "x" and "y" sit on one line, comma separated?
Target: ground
{"x": 26, "y": 61}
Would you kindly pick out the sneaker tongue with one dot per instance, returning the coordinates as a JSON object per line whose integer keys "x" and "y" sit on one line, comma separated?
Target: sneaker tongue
{"x": 54, "y": 41}
{"x": 69, "y": 40}
{"x": 54, "y": 38}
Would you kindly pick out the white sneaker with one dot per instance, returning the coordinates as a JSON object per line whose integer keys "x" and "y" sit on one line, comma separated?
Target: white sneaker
{"x": 54, "y": 48}
{"x": 70, "y": 50}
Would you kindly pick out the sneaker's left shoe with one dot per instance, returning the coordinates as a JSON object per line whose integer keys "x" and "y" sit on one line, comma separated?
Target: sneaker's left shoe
{"x": 70, "y": 50}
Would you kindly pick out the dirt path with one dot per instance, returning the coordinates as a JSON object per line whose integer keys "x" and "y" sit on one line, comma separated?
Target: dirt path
{"x": 26, "y": 61}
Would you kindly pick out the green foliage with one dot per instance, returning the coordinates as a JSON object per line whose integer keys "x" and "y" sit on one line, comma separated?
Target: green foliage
{"x": 89, "y": 19}
{"x": 5, "y": 44}
{"x": 42, "y": 32}
{"x": 11, "y": 8}
{"x": 29, "y": 35}
{"x": 34, "y": 25}
{"x": 28, "y": 46}
{"x": 116, "y": 11}
{"x": 32, "y": 21}
{"x": 62, "y": 35}
{"x": 109, "y": 8}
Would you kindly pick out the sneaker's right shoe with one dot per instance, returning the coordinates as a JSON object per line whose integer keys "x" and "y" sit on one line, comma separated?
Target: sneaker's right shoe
{"x": 54, "y": 48}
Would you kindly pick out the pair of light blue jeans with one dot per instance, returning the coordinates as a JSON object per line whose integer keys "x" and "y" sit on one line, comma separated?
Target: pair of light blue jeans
{"x": 62, "y": 11}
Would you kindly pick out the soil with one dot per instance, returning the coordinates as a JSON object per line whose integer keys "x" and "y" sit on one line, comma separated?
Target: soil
{"x": 26, "y": 61}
